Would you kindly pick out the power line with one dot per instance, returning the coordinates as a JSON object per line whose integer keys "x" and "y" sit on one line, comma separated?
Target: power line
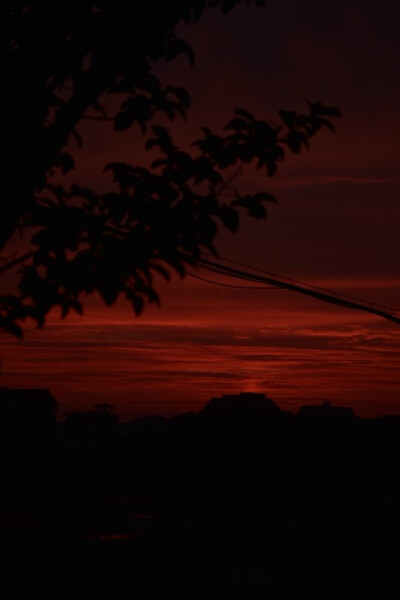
{"x": 302, "y": 283}
{"x": 238, "y": 287}
{"x": 278, "y": 281}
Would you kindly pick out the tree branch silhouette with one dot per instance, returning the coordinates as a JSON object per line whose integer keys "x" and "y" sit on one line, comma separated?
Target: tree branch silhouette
{"x": 69, "y": 59}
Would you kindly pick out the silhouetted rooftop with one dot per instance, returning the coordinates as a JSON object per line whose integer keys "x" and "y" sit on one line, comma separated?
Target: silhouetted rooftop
{"x": 244, "y": 402}
{"x": 25, "y": 401}
{"x": 326, "y": 411}
{"x": 27, "y": 413}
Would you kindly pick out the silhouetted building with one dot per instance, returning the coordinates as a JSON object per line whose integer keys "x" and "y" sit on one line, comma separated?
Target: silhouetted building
{"x": 148, "y": 426}
{"x": 245, "y": 402}
{"x": 28, "y": 415}
{"x": 99, "y": 423}
{"x": 326, "y": 412}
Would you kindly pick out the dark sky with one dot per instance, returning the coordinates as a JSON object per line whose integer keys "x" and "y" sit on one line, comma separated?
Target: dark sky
{"x": 336, "y": 224}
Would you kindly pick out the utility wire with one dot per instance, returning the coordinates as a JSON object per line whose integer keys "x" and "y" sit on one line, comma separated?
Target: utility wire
{"x": 278, "y": 281}
{"x": 301, "y": 283}
{"x": 238, "y": 287}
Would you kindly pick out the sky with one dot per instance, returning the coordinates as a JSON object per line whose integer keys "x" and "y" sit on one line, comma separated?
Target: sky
{"x": 336, "y": 225}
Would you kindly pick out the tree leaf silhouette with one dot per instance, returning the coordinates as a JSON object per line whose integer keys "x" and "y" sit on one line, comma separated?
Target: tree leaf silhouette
{"x": 72, "y": 60}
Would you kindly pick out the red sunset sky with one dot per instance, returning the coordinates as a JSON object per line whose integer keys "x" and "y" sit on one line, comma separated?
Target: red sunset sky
{"x": 336, "y": 225}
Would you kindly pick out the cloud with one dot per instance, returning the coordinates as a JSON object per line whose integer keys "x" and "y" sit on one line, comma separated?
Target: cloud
{"x": 159, "y": 368}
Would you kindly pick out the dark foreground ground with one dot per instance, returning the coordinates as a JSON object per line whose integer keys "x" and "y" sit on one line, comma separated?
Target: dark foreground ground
{"x": 207, "y": 506}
